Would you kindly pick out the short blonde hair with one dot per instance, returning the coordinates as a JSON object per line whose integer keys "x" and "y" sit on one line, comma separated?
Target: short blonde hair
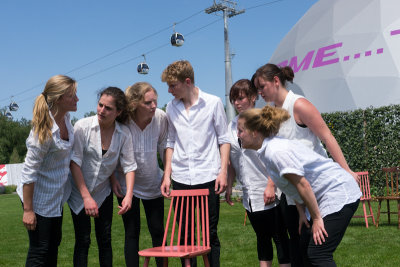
{"x": 135, "y": 95}
{"x": 266, "y": 121}
{"x": 178, "y": 71}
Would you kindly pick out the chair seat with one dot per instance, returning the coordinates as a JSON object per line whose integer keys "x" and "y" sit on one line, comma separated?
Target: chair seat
{"x": 176, "y": 251}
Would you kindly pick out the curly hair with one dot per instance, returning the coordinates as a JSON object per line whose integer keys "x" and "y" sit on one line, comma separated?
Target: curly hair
{"x": 178, "y": 71}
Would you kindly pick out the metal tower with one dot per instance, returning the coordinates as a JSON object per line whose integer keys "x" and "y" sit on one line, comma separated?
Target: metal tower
{"x": 228, "y": 9}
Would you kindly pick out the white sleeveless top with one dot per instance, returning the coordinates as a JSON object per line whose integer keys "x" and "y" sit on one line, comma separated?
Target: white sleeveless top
{"x": 291, "y": 130}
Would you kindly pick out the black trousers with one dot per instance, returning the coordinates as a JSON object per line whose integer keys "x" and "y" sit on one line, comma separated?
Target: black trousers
{"x": 102, "y": 225}
{"x": 291, "y": 219}
{"x": 44, "y": 242}
{"x": 268, "y": 224}
{"x": 213, "y": 212}
{"x": 154, "y": 209}
{"x": 335, "y": 225}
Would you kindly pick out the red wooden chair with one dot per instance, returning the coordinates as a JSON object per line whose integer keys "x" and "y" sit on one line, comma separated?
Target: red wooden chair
{"x": 392, "y": 193}
{"x": 198, "y": 212}
{"x": 366, "y": 197}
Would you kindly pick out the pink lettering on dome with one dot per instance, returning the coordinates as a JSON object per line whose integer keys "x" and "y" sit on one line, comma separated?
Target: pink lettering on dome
{"x": 356, "y": 55}
{"x": 323, "y": 53}
{"x": 346, "y": 58}
{"x": 395, "y": 32}
{"x": 305, "y": 62}
{"x": 368, "y": 53}
{"x": 379, "y": 51}
{"x": 283, "y": 63}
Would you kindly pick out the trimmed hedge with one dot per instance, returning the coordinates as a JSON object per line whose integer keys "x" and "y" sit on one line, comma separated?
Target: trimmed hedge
{"x": 369, "y": 140}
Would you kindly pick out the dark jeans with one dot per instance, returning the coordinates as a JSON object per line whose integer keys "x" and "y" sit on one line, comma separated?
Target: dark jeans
{"x": 154, "y": 209}
{"x": 102, "y": 225}
{"x": 269, "y": 224}
{"x": 335, "y": 225}
{"x": 291, "y": 219}
{"x": 213, "y": 211}
{"x": 44, "y": 242}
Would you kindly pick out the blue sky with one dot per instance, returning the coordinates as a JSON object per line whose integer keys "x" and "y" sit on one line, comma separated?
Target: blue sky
{"x": 48, "y": 37}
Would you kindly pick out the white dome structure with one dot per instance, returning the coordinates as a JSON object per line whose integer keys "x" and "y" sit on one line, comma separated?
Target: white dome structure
{"x": 345, "y": 54}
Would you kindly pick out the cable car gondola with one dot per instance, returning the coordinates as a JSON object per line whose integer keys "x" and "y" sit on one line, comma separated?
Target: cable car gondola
{"x": 9, "y": 115}
{"x": 13, "y": 106}
{"x": 177, "y": 39}
{"x": 143, "y": 68}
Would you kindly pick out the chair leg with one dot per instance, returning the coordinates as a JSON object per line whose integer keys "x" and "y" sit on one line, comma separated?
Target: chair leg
{"x": 165, "y": 262}
{"x": 398, "y": 214}
{"x": 365, "y": 214}
{"x": 379, "y": 213}
{"x": 388, "y": 210}
{"x": 245, "y": 217}
{"x": 146, "y": 261}
{"x": 187, "y": 262}
{"x": 370, "y": 212}
{"x": 206, "y": 262}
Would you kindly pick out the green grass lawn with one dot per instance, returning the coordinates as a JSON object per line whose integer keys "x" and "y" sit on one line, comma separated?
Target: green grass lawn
{"x": 360, "y": 246}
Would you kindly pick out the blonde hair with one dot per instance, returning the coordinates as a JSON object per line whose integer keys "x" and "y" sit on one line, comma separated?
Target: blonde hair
{"x": 135, "y": 95}
{"x": 56, "y": 87}
{"x": 178, "y": 71}
{"x": 266, "y": 121}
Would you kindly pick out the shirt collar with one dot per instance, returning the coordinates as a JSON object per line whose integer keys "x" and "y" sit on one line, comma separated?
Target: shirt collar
{"x": 55, "y": 127}
{"x": 95, "y": 124}
{"x": 200, "y": 99}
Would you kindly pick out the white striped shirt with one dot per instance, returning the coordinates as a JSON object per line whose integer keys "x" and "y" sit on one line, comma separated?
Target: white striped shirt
{"x": 146, "y": 143}
{"x": 47, "y": 166}
{"x": 96, "y": 168}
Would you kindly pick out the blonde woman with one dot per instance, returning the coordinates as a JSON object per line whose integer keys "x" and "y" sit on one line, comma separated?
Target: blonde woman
{"x": 329, "y": 192}
{"x": 43, "y": 188}
{"x": 149, "y": 127}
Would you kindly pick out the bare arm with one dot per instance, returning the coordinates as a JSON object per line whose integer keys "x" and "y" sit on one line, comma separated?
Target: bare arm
{"x": 29, "y": 217}
{"x": 166, "y": 182}
{"x": 127, "y": 201}
{"x": 269, "y": 192}
{"x": 307, "y": 195}
{"x": 231, "y": 179}
{"x": 307, "y": 114}
{"x": 89, "y": 203}
{"x": 221, "y": 181}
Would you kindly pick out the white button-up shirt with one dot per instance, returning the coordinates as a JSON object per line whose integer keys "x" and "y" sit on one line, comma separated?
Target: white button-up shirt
{"x": 332, "y": 185}
{"x": 146, "y": 143}
{"x": 47, "y": 165}
{"x": 195, "y": 138}
{"x": 96, "y": 169}
{"x": 250, "y": 172}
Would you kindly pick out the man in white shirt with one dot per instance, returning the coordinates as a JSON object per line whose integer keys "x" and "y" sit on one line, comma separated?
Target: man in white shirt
{"x": 198, "y": 146}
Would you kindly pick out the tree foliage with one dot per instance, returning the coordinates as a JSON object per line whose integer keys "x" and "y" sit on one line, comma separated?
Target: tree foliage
{"x": 13, "y": 135}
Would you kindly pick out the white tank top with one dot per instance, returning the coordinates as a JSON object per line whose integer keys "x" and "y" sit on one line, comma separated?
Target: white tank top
{"x": 291, "y": 130}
